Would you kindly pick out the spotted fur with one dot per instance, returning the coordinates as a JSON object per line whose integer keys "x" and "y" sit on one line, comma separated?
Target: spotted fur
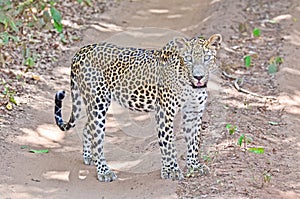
{"x": 168, "y": 80}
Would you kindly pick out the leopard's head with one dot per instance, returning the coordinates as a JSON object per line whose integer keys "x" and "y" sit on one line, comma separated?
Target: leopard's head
{"x": 199, "y": 56}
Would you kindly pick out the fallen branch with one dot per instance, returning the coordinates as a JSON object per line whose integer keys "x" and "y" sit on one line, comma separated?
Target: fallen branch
{"x": 237, "y": 86}
{"x": 229, "y": 76}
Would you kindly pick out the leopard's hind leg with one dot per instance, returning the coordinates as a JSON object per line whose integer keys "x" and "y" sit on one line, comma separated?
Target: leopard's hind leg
{"x": 97, "y": 99}
{"x": 87, "y": 146}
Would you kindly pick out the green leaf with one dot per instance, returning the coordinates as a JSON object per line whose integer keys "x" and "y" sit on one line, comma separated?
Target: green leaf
{"x": 231, "y": 129}
{"x": 39, "y": 151}
{"x": 14, "y": 38}
{"x": 5, "y": 37}
{"x": 52, "y": 3}
{"x": 273, "y": 68}
{"x": 56, "y": 16}
{"x": 256, "y": 32}
{"x": 3, "y": 21}
{"x": 240, "y": 141}
{"x": 12, "y": 99}
{"x": 256, "y": 150}
{"x": 248, "y": 61}
{"x": 278, "y": 60}
{"x": 29, "y": 62}
{"x": 7, "y": 20}
{"x": 13, "y": 26}
{"x": 58, "y": 27}
{"x": 24, "y": 147}
{"x": 5, "y": 5}
{"x": 228, "y": 126}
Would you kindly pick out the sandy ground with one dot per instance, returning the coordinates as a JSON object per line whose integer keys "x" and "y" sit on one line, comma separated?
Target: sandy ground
{"x": 131, "y": 147}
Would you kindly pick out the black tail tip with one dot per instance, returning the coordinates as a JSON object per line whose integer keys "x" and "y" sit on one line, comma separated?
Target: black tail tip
{"x": 60, "y": 95}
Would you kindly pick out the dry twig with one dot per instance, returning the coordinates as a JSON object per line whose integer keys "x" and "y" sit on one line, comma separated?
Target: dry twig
{"x": 237, "y": 86}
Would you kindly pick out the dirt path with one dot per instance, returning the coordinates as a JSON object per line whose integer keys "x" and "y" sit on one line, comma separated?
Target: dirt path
{"x": 131, "y": 147}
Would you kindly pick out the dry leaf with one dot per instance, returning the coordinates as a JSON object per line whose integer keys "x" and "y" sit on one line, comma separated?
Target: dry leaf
{"x": 36, "y": 77}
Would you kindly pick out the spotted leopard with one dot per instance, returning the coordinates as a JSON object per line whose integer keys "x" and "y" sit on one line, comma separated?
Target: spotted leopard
{"x": 168, "y": 80}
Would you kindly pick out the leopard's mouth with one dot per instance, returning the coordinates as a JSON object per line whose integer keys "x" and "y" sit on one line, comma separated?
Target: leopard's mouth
{"x": 199, "y": 85}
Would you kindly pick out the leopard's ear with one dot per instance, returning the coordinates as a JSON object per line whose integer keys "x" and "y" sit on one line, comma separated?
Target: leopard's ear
{"x": 214, "y": 41}
{"x": 180, "y": 42}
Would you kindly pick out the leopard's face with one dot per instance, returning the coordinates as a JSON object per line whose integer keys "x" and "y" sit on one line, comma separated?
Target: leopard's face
{"x": 199, "y": 56}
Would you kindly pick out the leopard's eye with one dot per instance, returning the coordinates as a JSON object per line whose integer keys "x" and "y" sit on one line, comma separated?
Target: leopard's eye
{"x": 188, "y": 58}
{"x": 207, "y": 57}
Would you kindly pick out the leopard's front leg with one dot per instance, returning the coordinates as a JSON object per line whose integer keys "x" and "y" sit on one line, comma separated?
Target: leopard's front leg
{"x": 192, "y": 113}
{"x": 170, "y": 168}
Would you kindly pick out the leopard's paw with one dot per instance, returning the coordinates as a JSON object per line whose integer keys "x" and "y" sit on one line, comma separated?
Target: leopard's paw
{"x": 174, "y": 174}
{"x": 88, "y": 160}
{"x": 201, "y": 169}
{"x": 109, "y": 176}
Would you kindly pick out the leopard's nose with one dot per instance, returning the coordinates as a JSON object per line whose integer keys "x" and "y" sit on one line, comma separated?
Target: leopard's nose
{"x": 198, "y": 77}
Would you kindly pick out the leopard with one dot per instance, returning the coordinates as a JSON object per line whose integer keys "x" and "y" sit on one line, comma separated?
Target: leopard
{"x": 167, "y": 80}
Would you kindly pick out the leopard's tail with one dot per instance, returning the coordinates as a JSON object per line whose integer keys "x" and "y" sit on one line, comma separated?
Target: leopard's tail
{"x": 60, "y": 95}
{"x": 76, "y": 101}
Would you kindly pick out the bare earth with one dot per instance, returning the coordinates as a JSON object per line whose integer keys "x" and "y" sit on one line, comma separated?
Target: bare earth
{"x": 131, "y": 148}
